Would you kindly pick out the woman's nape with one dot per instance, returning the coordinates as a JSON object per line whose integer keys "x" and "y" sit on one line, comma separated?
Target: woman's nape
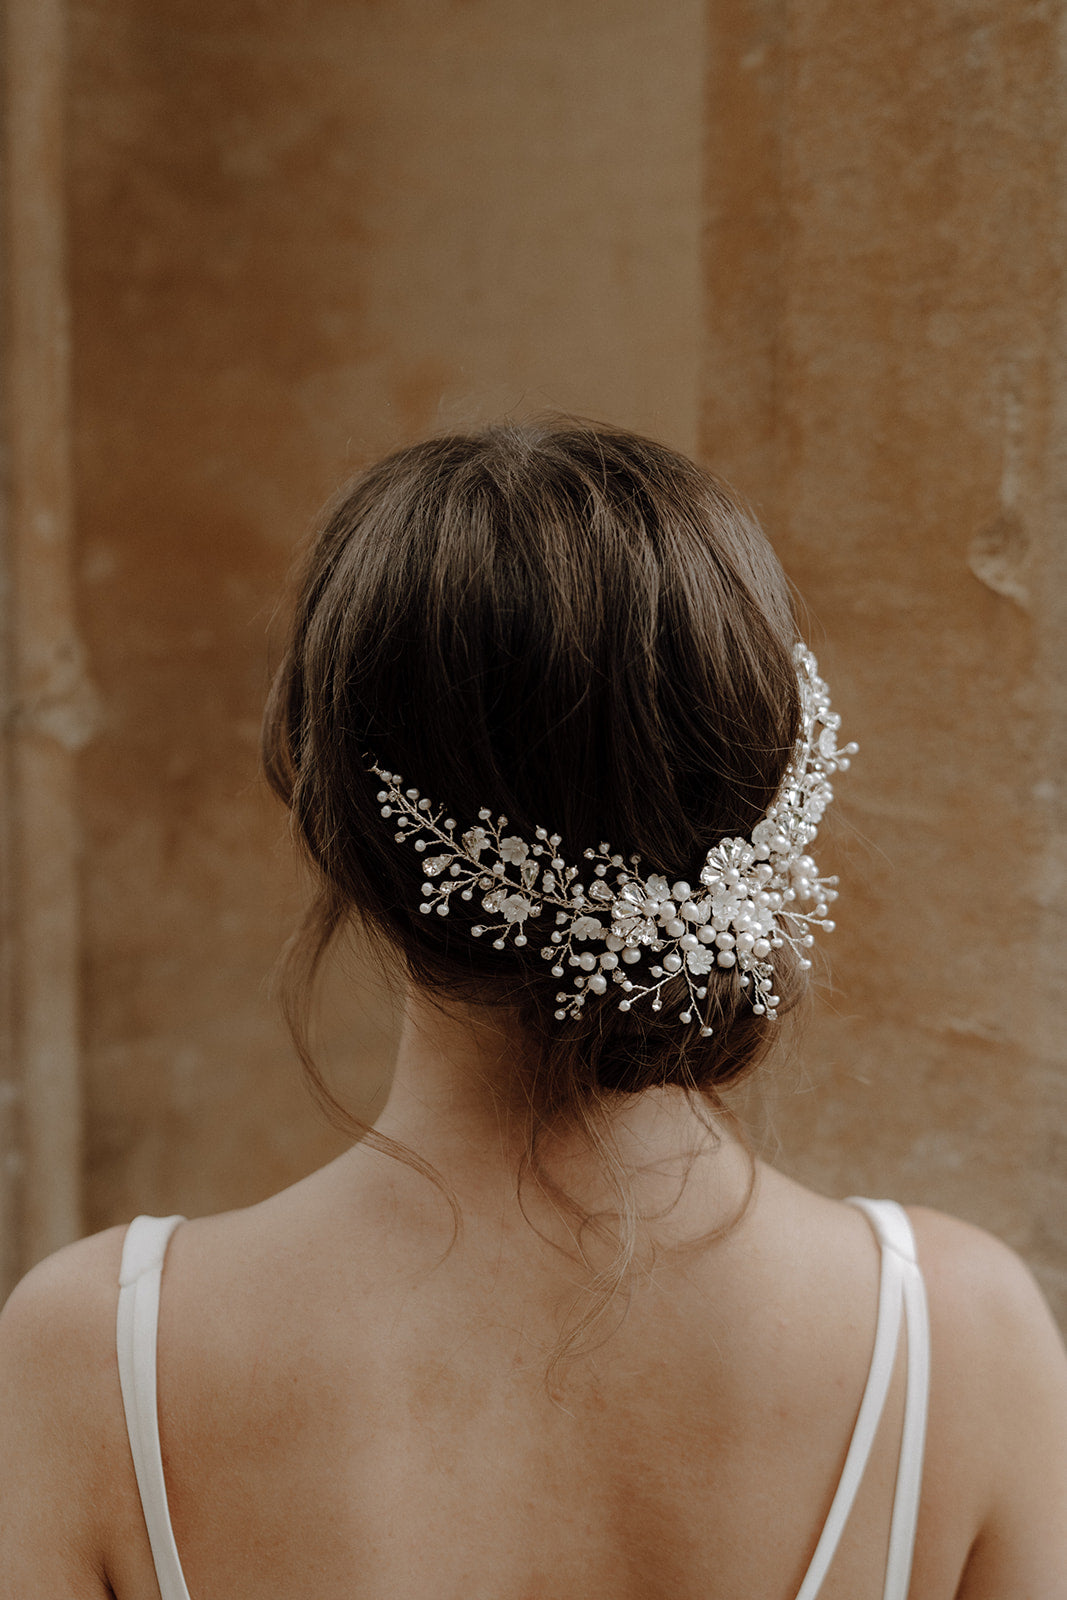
{"x": 457, "y": 1099}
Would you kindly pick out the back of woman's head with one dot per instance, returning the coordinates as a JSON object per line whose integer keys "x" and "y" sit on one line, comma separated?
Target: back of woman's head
{"x": 569, "y": 626}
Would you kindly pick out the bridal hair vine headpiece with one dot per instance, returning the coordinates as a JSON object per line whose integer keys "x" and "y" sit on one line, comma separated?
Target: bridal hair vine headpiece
{"x": 750, "y": 902}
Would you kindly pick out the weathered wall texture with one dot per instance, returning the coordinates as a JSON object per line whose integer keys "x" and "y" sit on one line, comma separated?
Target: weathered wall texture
{"x": 46, "y": 704}
{"x": 886, "y": 380}
{"x": 821, "y": 245}
{"x": 300, "y": 235}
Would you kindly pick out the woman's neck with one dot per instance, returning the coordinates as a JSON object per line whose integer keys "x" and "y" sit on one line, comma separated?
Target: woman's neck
{"x": 460, "y": 1101}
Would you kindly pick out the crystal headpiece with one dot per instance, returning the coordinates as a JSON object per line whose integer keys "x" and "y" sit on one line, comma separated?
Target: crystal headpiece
{"x": 754, "y": 896}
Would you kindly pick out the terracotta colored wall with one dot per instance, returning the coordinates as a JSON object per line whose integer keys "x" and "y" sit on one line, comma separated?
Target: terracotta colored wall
{"x": 819, "y": 245}
{"x": 299, "y": 235}
{"x": 887, "y": 361}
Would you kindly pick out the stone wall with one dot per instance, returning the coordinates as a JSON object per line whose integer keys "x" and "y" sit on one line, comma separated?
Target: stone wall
{"x": 819, "y": 248}
{"x": 300, "y": 235}
{"x": 886, "y": 379}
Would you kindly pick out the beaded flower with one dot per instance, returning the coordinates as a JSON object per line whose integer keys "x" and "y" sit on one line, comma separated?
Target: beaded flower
{"x": 754, "y": 895}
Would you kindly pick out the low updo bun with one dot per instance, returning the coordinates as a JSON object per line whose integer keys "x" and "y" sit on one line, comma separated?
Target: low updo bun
{"x": 580, "y": 630}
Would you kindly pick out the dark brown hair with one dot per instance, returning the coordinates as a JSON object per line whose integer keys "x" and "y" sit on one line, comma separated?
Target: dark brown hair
{"x": 578, "y": 629}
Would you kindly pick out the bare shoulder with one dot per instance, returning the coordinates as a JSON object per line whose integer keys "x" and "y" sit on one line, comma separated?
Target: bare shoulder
{"x": 73, "y": 1280}
{"x": 986, "y": 1288}
{"x": 999, "y": 1401}
{"x": 59, "y": 1408}
{"x": 57, "y": 1329}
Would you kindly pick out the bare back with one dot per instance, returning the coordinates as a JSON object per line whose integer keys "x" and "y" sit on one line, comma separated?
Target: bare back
{"x": 342, "y": 1409}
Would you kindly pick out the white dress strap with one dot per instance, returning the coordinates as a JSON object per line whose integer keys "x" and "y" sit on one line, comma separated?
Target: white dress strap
{"x": 138, "y": 1320}
{"x": 883, "y": 1360}
{"x": 894, "y": 1230}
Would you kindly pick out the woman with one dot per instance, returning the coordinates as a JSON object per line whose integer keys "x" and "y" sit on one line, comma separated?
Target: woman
{"x": 546, "y": 731}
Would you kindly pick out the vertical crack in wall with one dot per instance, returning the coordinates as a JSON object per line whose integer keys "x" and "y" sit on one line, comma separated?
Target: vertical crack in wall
{"x": 1048, "y": 1165}
{"x": 48, "y": 712}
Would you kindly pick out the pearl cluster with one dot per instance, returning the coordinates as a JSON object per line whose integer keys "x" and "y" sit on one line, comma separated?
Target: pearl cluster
{"x": 754, "y": 896}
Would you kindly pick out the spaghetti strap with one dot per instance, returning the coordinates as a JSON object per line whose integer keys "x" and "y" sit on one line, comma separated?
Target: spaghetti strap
{"x": 883, "y": 1360}
{"x": 900, "y": 1290}
{"x": 138, "y": 1319}
{"x": 913, "y": 1437}
{"x": 897, "y": 1238}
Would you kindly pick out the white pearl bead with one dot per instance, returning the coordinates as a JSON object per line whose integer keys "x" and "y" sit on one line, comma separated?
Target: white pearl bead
{"x": 725, "y": 941}
{"x": 598, "y": 984}
{"x": 726, "y": 958}
{"x": 609, "y": 961}
{"x": 672, "y": 962}
{"x": 681, "y": 890}
{"x": 689, "y": 941}
{"x": 630, "y": 955}
{"x": 587, "y": 961}
{"x": 675, "y": 928}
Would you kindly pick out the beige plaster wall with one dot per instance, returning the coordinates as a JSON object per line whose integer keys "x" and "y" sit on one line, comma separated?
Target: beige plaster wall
{"x": 822, "y": 246}
{"x": 886, "y": 380}
{"x": 46, "y": 703}
{"x": 299, "y": 235}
